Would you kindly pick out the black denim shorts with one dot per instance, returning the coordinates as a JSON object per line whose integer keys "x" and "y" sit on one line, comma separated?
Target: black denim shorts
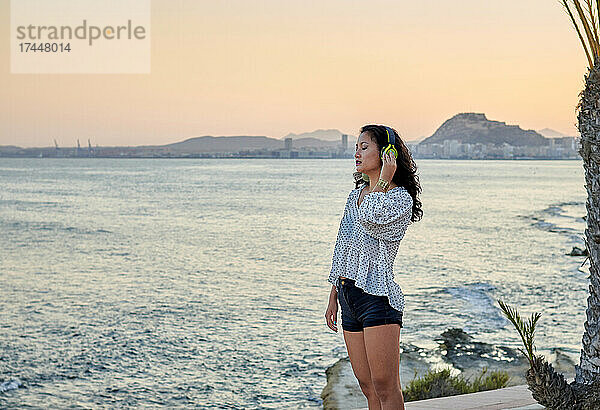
{"x": 361, "y": 309}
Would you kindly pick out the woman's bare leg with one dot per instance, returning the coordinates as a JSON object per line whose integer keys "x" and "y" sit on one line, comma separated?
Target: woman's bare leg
{"x": 355, "y": 345}
{"x": 382, "y": 345}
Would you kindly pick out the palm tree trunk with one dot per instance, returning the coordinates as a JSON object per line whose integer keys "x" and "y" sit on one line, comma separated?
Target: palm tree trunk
{"x": 589, "y": 127}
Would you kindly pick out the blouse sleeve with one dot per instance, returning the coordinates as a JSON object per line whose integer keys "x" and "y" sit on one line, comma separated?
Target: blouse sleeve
{"x": 386, "y": 215}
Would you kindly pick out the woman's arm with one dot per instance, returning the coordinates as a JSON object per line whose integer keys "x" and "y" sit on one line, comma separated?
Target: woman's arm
{"x": 386, "y": 215}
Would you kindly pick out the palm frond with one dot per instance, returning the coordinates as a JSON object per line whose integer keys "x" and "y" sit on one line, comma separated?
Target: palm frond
{"x": 586, "y": 27}
{"x": 594, "y": 22}
{"x": 598, "y": 10}
{"x": 585, "y": 48}
{"x": 525, "y": 329}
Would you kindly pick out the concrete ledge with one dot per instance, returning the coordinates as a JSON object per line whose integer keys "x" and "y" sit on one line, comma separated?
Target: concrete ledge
{"x": 508, "y": 398}
{"x": 514, "y": 397}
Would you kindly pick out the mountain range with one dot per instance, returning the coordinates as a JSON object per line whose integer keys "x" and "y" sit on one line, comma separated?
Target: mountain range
{"x": 464, "y": 127}
{"x": 324, "y": 135}
{"x": 549, "y": 133}
{"x": 240, "y": 143}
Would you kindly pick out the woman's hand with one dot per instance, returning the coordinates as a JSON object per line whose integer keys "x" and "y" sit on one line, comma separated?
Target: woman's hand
{"x": 389, "y": 166}
{"x": 331, "y": 314}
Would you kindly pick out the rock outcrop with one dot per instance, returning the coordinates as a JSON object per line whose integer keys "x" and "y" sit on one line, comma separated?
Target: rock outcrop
{"x": 475, "y": 128}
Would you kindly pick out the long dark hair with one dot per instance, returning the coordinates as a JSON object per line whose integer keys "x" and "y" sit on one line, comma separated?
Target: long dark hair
{"x": 406, "y": 168}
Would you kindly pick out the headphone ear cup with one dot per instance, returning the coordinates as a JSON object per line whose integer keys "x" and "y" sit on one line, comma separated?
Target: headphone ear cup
{"x": 389, "y": 148}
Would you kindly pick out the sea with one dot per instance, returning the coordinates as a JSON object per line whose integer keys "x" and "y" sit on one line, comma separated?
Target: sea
{"x": 203, "y": 282}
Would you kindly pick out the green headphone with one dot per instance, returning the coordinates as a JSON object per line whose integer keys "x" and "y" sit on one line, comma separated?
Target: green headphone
{"x": 391, "y": 140}
{"x": 388, "y": 148}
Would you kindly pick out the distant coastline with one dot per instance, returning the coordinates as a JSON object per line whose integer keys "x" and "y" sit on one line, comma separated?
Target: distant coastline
{"x": 464, "y": 136}
{"x": 233, "y": 156}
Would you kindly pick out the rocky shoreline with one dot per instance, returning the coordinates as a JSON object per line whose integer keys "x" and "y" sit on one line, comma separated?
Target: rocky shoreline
{"x": 457, "y": 350}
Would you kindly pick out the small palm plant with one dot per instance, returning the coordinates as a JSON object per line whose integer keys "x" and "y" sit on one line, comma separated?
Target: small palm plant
{"x": 526, "y": 330}
{"x": 548, "y": 387}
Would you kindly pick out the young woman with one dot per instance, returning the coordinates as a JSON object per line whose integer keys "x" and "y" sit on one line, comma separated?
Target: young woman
{"x": 377, "y": 214}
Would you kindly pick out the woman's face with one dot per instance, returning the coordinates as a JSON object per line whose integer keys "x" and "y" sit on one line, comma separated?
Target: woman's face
{"x": 367, "y": 154}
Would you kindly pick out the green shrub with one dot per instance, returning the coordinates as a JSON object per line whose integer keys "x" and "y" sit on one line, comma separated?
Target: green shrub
{"x": 440, "y": 384}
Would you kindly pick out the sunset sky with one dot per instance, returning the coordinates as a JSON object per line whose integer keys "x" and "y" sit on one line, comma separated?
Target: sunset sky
{"x": 270, "y": 67}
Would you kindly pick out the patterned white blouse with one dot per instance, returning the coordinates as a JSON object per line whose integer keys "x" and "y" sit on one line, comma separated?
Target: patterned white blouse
{"x": 368, "y": 241}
